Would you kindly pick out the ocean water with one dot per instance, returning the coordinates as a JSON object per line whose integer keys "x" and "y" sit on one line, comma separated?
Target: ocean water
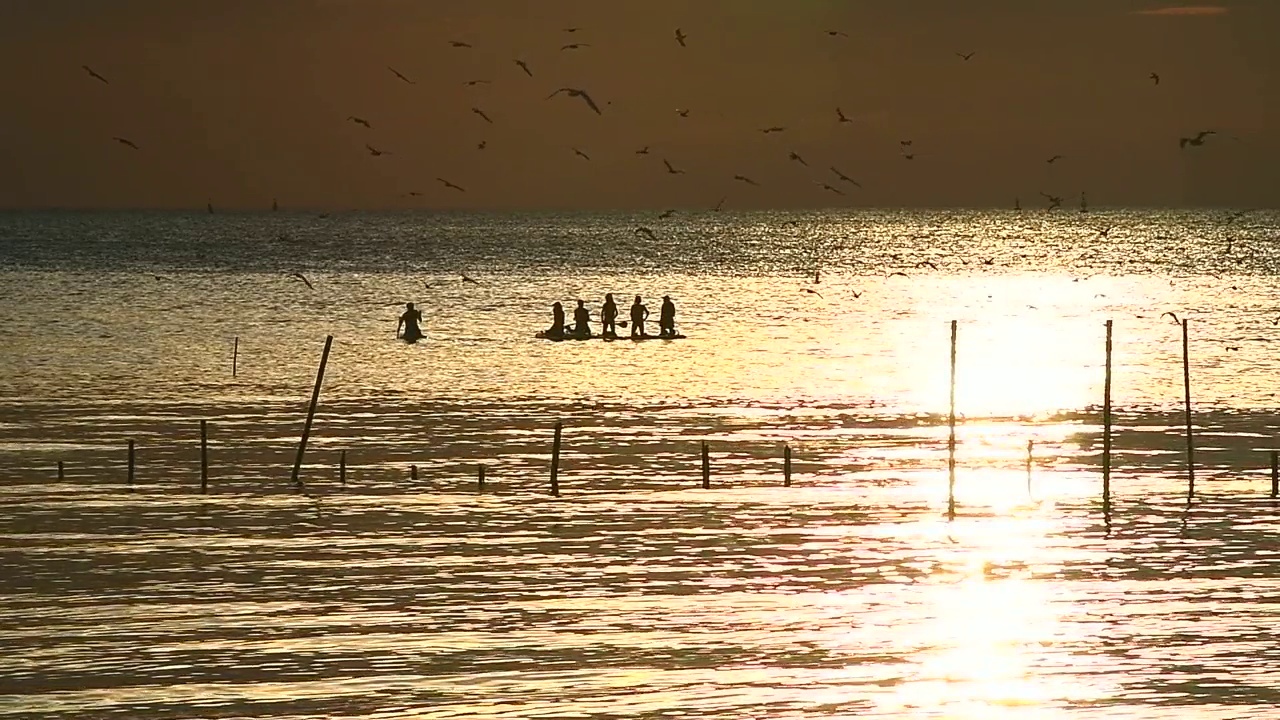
{"x": 637, "y": 593}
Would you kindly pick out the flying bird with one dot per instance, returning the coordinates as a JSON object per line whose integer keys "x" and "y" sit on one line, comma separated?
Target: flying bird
{"x": 643, "y": 151}
{"x": 670, "y": 169}
{"x": 304, "y": 279}
{"x": 450, "y": 185}
{"x": 895, "y": 274}
{"x": 574, "y": 92}
{"x": 1175, "y": 317}
{"x": 845, "y": 178}
{"x": 359, "y": 121}
{"x": 926, "y": 263}
{"x": 745, "y": 179}
{"x": 574, "y": 46}
{"x": 94, "y": 75}
{"x": 646, "y": 232}
{"x": 856, "y": 294}
{"x": 1054, "y": 159}
{"x": 472, "y": 83}
{"x": 773, "y": 129}
{"x": 680, "y": 37}
{"x": 904, "y": 143}
{"x": 1155, "y": 78}
{"x": 466, "y": 280}
{"x": 908, "y": 156}
{"x": 719, "y": 204}
{"x": 459, "y": 44}
{"x": 400, "y": 75}
{"x": 840, "y": 116}
{"x": 825, "y": 186}
{"x": 796, "y": 156}
{"x": 126, "y": 141}
{"x": 414, "y": 193}
{"x": 375, "y": 151}
{"x": 1106, "y": 231}
{"x": 965, "y": 57}
{"x": 1054, "y": 201}
{"x": 837, "y": 33}
{"x": 580, "y": 154}
{"x": 525, "y": 67}
{"x": 482, "y": 144}
{"x": 682, "y": 113}
{"x": 811, "y": 291}
{"x": 1197, "y": 140}
{"x": 480, "y": 112}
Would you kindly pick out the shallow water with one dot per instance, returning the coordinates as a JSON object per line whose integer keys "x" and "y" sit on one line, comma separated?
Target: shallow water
{"x": 636, "y": 593}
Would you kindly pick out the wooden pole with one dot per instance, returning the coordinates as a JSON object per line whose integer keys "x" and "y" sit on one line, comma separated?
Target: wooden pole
{"x": 706, "y": 467}
{"x": 130, "y": 464}
{"x": 1030, "y": 446}
{"x": 1106, "y": 431}
{"x": 480, "y": 479}
{"x": 951, "y": 439}
{"x": 60, "y": 475}
{"x": 235, "y": 355}
{"x": 555, "y": 462}
{"x": 786, "y": 466}
{"x": 1186, "y": 385}
{"x": 342, "y": 468}
{"x": 1275, "y": 474}
{"x": 413, "y": 472}
{"x": 204, "y": 457}
{"x": 311, "y": 413}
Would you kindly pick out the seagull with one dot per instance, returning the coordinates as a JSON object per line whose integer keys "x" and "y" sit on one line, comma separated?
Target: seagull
{"x": 666, "y": 214}
{"x": 840, "y": 116}
{"x": 94, "y": 75}
{"x": 480, "y": 112}
{"x": 773, "y": 129}
{"x": 459, "y": 44}
{"x": 904, "y": 143}
{"x": 574, "y": 46}
{"x": 964, "y": 57}
{"x": 643, "y": 151}
{"x": 719, "y": 205}
{"x": 304, "y": 279}
{"x": 1054, "y": 159}
{"x": 426, "y": 285}
{"x": 525, "y": 67}
{"x": 466, "y": 280}
{"x": 682, "y": 113}
{"x": 572, "y": 30}
{"x": 1155, "y": 78}
{"x": 580, "y": 154}
{"x": 450, "y": 185}
{"x": 574, "y": 92}
{"x": 795, "y": 156}
{"x": 845, "y": 178}
{"x": 359, "y": 121}
{"x": 482, "y": 144}
{"x": 1175, "y": 317}
{"x": 126, "y": 141}
{"x": 1197, "y": 140}
{"x": 856, "y": 294}
{"x": 908, "y": 156}
{"x": 837, "y": 33}
{"x": 375, "y": 151}
{"x": 811, "y": 291}
{"x": 472, "y": 83}
{"x": 926, "y": 263}
{"x": 892, "y": 274}
{"x": 672, "y": 170}
{"x": 1106, "y": 232}
{"x": 828, "y": 187}
{"x": 1054, "y": 201}
{"x": 399, "y": 75}
{"x": 680, "y": 37}
{"x": 745, "y": 179}
{"x": 646, "y": 232}
{"x": 414, "y": 193}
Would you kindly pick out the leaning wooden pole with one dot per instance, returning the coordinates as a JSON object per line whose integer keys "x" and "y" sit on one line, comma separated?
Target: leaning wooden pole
{"x": 951, "y": 438}
{"x": 1275, "y": 474}
{"x": 342, "y": 468}
{"x": 1030, "y": 449}
{"x": 555, "y": 462}
{"x": 235, "y": 355}
{"x": 1186, "y": 386}
{"x": 204, "y": 457}
{"x": 1106, "y": 431}
{"x": 130, "y": 464}
{"x": 786, "y": 466}
{"x": 311, "y": 414}
{"x": 706, "y": 466}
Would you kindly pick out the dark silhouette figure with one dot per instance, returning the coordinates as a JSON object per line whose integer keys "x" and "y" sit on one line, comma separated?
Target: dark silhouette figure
{"x": 667, "y": 318}
{"x": 609, "y": 317}
{"x": 639, "y": 313}
{"x": 581, "y": 321}
{"x": 409, "y": 322}
{"x": 556, "y": 331}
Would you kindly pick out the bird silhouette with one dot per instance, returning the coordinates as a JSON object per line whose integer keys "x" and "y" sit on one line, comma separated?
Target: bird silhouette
{"x": 895, "y": 274}
{"x": 459, "y": 44}
{"x": 1054, "y": 200}
{"x": 574, "y": 46}
{"x": 773, "y": 129}
{"x": 1054, "y": 159}
{"x": 580, "y": 154}
{"x": 643, "y": 151}
{"x": 796, "y": 156}
{"x": 745, "y": 179}
{"x": 837, "y": 33}
{"x": 680, "y": 37}
{"x": 904, "y": 143}
{"x": 840, "y": 116}
{"x": 1197, "y": 140}
{"x": 965, "y": 57}
{"x": 473, "y": 83}
{"x": 908, "y": 156}
{"x": 466, "y": 280}
{"x": 480, "y": 112}
{"x": 671, "y": 170}
{"x": 1155, "y": 78}
{"x": 856, "y": 294}
{"x": 127, "y": 142}
{"x": 829, "y": 188}
{"x": 375, "y": 151}
{"x": 646, "y": 232}
{"x": 1106, "y": 231}
{"x": 811, "y": 291}
{"x": 574, "y": 92}
{"x": 845, "y": 178}
{"x": 482, "y": 144}
{"x": 425, "y": 285}
{"x": 525, "y": 67}
{"x": 414, "y": 193}
{"x": 1175, "y": 317}
{"x": 304, "y": 279}
{"x": 682, "y": 113}
{"x": 400, "y": 75}
{"x": 450, "y": 185}
{"x": 359, "y": 121}
{"x": 719, "y": 204}
{"x": 926, "y": 263}
{"x": 94, "y": 75}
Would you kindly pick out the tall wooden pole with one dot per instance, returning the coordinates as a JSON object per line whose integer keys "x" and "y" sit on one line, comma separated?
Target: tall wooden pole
{"x": 1106, "y": 431}
{"x": 555, "y": 462}
{"x": 706, "y": 467}
{"x": 130, "y": 464}
{"x": 786, "y": 466}
{"x": 1186, "y": 385}
{"x": 235, "y": 355}
{"x": 951, "y": 438}
{"x": 204, "y": 457}
{"x": 311, "y": 413}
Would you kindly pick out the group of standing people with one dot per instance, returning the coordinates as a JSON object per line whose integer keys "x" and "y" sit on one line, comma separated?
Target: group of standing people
{"x": 581, "y": 328}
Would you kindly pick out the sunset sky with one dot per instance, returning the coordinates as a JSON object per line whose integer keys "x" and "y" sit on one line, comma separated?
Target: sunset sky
{"x": 237, "y": 102}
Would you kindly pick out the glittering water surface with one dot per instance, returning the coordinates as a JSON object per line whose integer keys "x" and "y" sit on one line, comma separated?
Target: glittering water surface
{"x": 637, "y": 593}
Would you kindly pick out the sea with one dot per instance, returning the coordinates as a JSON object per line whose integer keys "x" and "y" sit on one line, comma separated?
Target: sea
{"x": 814, "y": 571}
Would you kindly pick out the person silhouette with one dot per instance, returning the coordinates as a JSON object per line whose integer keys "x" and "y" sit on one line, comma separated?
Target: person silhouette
{"x": 639, "y": 313}
{"x": 409, "y": 322}
{"x": 609, "y": 317}
{"x": 581, "y": 321}
{"x": 556, "y": 331}
{"x": 667, "y": 318}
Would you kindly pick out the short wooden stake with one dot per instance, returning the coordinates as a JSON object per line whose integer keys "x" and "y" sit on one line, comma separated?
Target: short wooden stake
{"x": 131, "y": 464}
{"x": 342, "y": 468}
{"x": 1275, "y": 474}
{"x": 555, "y": 462}
{"x": 786, "y": 466}
{"x": 1186, "y": 385}
{"x": 413, "y": 472}
{"x": 480, "y": 479}
{"x": 60, "y": 475}
{"x": 204, "y": 457}
{"x": 235, "y": 355}
{"x": 311, "y": 413}
{"x": 706, "y": 467}
{"x": 951, "y": 438}
{"x": 1106, "y": 432}
{"x": 1030, "y": 446}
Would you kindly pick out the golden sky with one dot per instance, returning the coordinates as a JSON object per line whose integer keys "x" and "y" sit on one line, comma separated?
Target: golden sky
{"x": 238, "y": 102}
